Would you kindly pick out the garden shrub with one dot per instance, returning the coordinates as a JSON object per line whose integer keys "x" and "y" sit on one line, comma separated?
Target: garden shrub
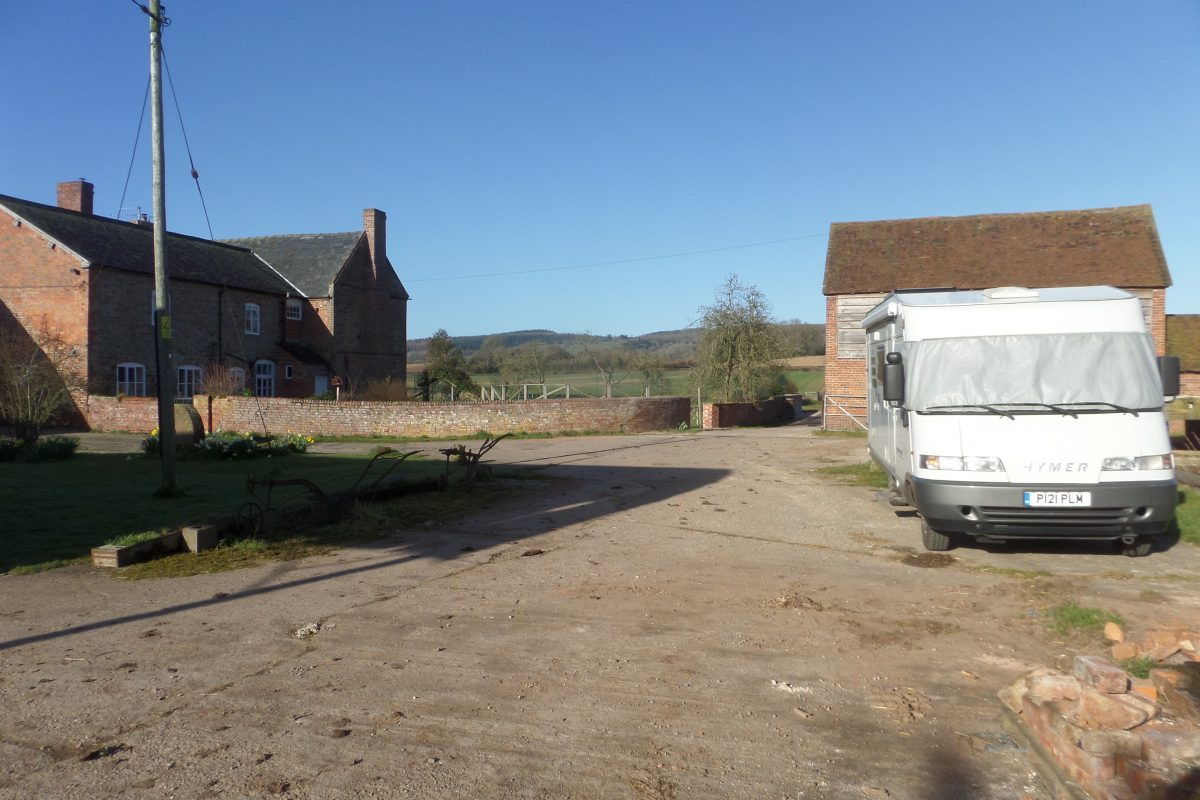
{"x": 47, "y": 448}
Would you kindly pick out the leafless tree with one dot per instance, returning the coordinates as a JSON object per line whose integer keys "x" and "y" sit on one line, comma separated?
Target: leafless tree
{"x": 607, "y": 363}
{"x": 529, "y": 363}
{"x": 38, "y": 372}
{"x": 651, "y": 371}
{"x": 221, "y": 381}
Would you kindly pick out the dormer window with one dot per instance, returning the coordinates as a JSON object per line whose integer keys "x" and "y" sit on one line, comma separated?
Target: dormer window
{"x": 253, "y": 318}
{"x": 294, "y": 308}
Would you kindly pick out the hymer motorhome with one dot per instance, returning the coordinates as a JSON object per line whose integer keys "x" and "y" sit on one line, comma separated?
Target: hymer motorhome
{"x": 1019, "y": 413}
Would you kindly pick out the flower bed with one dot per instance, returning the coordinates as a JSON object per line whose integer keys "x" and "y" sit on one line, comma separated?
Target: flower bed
{"x": 231, "y": 444}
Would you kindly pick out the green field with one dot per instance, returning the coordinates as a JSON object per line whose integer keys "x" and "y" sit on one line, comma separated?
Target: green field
{"x": 676, "y": 382}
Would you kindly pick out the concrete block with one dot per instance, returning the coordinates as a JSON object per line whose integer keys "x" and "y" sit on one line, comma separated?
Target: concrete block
{"x": 200, "y": 537}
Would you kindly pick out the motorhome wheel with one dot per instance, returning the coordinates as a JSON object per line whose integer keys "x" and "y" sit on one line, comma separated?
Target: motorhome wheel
{"x": 1139, "y": 548}
{"x": 934, "y": 540}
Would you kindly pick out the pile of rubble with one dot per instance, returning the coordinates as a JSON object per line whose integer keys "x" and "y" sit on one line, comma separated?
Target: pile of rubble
{"x": 1113, "y": 736}
{"x": 1164, "y": 645}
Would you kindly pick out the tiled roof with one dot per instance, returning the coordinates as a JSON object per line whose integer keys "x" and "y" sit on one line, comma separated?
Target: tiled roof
{"x": 111, "y": 243}
{"x": 309, "y": 260}
{"x": 1183, "y": 340}
{"x": 1114, "y": 246}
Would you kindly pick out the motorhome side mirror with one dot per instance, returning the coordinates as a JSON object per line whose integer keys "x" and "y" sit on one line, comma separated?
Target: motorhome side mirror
{"x": 893, "y": 378}
{"x": 1168, "y": 369}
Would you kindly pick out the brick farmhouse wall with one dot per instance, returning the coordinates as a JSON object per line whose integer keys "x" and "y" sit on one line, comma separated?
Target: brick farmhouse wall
{"x": 370, "y": 418}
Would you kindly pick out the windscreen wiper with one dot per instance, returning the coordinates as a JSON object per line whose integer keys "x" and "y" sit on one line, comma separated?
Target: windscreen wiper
{"x": 1122, "y": 409}
{"x": 991, "y": 409}
{"x": 1051, "y": 406}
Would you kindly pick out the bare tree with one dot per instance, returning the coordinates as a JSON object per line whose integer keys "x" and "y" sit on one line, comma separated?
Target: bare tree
{"x": 529, "y": 363}
{"x": 651, "y": 371}
{"x": 37, "y": 375}
{"x": 221, "y": 381}
{"x": 738, "y": 341}
{"x": 607, "y": 362}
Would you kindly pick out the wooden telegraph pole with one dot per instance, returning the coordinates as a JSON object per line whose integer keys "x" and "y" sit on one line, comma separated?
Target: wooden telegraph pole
{"x": 162, "y": 314}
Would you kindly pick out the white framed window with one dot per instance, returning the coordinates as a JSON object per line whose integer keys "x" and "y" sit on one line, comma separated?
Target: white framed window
{"x": 131, "y": 379}
{"x": 188, "y": 381}
{"x": 264, "y": 378}
{"x": 253, "y": 318}
{"x": 287, "y": 371}
{"x": 294, "y": 309}
{"x": 239, "y": 377}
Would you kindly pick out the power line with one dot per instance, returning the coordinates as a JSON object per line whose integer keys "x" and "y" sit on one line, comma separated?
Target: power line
{"x": 133, "y": 156}
{"x": 620, "y": 261}
{"x": 187, "y": 146}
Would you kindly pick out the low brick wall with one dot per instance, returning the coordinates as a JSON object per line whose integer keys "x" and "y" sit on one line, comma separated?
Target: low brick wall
{"x": 734, "y": 415}
{"x": 379, "y": 418}
{"x": 104, "y": 413}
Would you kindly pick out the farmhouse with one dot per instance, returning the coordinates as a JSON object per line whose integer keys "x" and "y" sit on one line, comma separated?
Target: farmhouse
{"x": 331, "y": 306}
{"x": 866, "y": 260}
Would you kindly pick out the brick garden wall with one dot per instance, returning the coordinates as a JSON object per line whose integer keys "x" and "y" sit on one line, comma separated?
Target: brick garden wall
{"x": 734, "y": 415}
{"x": 369, "y": 418}
{"x": 104, "y": 413}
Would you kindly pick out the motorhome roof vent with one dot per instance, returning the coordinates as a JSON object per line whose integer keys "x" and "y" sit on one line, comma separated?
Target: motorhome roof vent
{"x": 1009, "y": 292}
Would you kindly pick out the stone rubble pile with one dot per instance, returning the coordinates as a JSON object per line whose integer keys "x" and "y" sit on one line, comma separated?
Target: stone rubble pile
{"x": 1163, "y": 645}
{"x": 1113, "y": 736}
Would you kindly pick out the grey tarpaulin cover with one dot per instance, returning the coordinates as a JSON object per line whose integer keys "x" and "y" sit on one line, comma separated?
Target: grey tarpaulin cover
{"x": 1057, "y": 368}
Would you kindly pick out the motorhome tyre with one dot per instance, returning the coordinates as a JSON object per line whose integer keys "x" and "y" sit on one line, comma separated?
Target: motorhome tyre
{"x": 934, "y": 540}
{"x": 1141, "y": 547}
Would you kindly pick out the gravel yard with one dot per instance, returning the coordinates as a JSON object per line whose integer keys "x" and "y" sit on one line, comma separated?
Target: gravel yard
{"x": 655, "y": 616}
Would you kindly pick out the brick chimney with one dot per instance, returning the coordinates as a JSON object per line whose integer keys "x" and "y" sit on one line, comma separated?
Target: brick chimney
{"x": 76, "y": 196}
{"x": 375, "y": 226}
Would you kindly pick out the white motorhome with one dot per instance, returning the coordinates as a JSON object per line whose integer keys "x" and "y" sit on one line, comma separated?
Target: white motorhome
{"x": 1014, "y": 413}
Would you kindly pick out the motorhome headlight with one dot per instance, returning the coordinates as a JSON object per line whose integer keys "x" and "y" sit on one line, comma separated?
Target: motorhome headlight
{"x": 963, "y": 463}
{"x": 1129, "y": 463}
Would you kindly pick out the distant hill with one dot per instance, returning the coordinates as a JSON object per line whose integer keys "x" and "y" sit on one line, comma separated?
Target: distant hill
{"x": 801, "y": 339}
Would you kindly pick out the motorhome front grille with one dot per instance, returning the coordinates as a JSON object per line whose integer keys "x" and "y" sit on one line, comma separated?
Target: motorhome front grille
{"x": 1055, "y": 517}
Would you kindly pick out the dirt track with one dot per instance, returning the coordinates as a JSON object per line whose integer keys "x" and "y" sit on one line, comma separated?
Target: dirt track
{"x": 709, "y": 618}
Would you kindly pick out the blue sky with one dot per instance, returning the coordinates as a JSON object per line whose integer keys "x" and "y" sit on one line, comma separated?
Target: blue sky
{"x": 503, "y": 136}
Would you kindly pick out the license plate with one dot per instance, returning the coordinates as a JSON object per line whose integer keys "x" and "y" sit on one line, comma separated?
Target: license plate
{"x": 1044, "y": 499}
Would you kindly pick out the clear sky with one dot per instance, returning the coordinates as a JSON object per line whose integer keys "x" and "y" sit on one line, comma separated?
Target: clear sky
{"x": 508, "y": 136}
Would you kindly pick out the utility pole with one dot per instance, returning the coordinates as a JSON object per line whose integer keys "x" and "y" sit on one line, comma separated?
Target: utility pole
{"x": 162, "y": 314}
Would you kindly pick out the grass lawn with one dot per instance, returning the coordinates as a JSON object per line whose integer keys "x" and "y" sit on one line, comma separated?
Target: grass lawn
{"x": 1188, "y": 514}
{"x": 866, "y": 474}
{"x": 57, "y": 511}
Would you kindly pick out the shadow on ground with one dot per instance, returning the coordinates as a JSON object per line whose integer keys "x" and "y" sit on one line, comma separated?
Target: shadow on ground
{"x": 578, "y": 494}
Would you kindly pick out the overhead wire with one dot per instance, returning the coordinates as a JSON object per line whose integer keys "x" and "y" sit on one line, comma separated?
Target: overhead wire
{"x": 133, "y": 156}
{"x": 239, "y": 330}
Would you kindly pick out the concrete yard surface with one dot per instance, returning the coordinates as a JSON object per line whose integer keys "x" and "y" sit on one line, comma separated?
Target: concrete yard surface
{"x": 651, "y": 617}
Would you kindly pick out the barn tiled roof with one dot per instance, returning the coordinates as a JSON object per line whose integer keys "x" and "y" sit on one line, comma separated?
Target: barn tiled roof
{"x": 1114, "y": 246}
{"x": 111, "y": 243}
{"x": 1183, "y": 340}
{"x": 309, "y": 260}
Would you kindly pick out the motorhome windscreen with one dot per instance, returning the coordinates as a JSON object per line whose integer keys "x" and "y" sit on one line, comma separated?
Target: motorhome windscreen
{"x": 1039, "y": 373}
